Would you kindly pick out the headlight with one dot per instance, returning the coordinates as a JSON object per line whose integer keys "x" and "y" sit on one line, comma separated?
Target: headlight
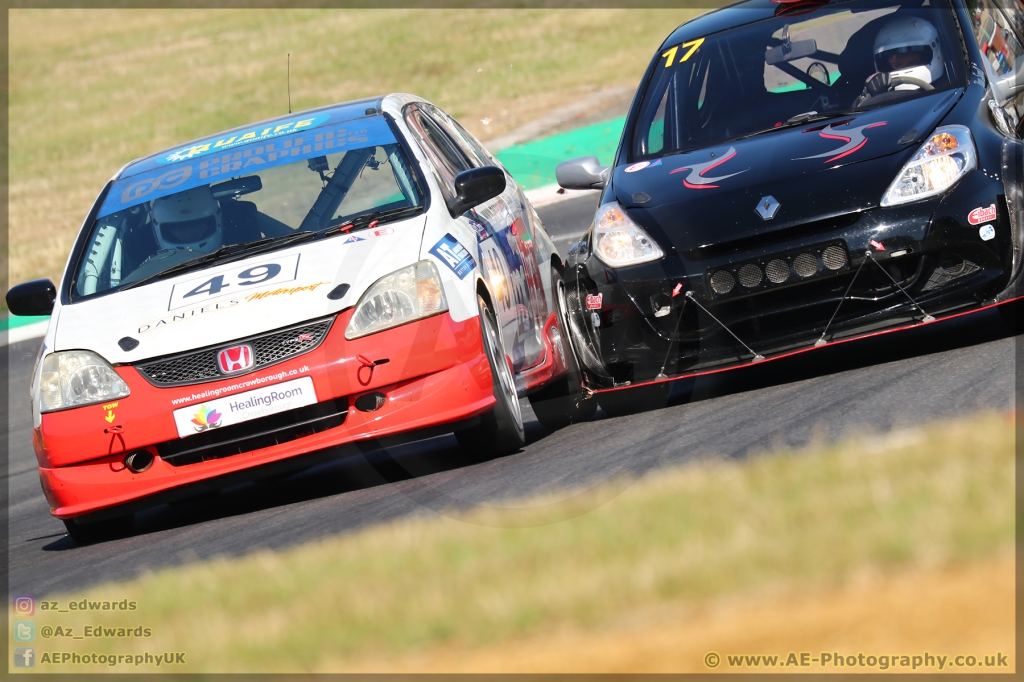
{"x": 405, "y": 295}
{"x": 618, "y": 241}
{"x": 77, "y": 377}
{"x": 946, "y": 157}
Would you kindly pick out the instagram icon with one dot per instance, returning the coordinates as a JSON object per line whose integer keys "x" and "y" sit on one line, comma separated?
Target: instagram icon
{"x": 24, "y": 606}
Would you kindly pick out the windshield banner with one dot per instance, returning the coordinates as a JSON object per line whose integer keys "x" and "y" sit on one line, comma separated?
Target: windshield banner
{"x": 208, "y": 167}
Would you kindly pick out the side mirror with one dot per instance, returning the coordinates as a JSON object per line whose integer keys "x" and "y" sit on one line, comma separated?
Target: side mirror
{"x": 1006, "y": 87}
{"x": 583, "y": 173}
{"x": 32, "y": 298}
{"x": 475, "y": 186}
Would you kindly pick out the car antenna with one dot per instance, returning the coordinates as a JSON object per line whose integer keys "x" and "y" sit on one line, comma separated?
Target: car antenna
{"x": 289, "y": 82}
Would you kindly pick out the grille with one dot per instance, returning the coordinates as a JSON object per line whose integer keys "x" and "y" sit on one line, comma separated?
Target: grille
{"x": 778, "y": 271}
{"x": 944, "y": 275}
{"x": 805, "y": 265}
{"x": 750, "y": 275}
{"x": 255, "y": 434}
{"x": 834, "y": 257}
{"x": 198, "y": 366}
{"x": 722, "y": 282}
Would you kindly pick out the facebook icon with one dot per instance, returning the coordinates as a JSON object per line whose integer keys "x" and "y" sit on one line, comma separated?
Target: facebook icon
{"x": 24, "y": 657}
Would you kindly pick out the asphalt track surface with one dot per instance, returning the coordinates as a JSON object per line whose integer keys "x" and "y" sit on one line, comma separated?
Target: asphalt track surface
{"x": 946, "y": 370}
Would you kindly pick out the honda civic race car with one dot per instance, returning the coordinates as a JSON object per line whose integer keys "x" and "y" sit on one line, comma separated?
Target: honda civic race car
{"x": 237, "y": 306}
{"x": 795, "y": 174}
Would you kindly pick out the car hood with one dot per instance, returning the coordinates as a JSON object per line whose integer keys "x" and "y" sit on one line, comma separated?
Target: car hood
{"x": 813, "y": 171}
{"x": 187, "y": 311}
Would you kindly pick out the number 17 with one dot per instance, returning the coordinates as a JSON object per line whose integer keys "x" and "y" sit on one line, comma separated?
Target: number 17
{"x": 669, "y": 55}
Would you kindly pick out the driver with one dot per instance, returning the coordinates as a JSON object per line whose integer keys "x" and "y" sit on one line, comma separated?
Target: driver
{"x": 188, "y": 221}
{"x": 906, "y": 48}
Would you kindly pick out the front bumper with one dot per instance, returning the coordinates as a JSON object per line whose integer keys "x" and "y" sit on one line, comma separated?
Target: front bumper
{"x": 674, "y": 318}
{"x": 436, "y": 374}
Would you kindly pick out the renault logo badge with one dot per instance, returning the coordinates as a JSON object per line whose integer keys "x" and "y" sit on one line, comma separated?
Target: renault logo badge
{"x": 767, "y": 207}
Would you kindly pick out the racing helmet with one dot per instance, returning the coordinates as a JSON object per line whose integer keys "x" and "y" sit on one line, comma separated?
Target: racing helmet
{"x": 909, "y": 46}
{"x": 189, "y": 220}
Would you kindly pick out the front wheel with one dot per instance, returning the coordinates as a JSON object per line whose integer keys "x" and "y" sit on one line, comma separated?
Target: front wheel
{"x": 562, "y": 402}
{"x": 500, "y": 431}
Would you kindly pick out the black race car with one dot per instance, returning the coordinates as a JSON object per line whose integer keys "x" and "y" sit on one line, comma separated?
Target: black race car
{"x": 792, "y": 174}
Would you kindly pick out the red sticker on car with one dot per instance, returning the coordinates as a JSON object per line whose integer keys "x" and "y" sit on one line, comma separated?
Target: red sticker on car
{"x": 594, "y": 302}
{"x": 982, "y": 215}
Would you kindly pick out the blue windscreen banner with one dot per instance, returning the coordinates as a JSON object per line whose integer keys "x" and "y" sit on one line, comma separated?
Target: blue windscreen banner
{"x": 203, "y": 164}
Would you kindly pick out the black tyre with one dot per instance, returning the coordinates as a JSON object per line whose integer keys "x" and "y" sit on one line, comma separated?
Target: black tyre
{"x": 632, "y": 400}
{"x": 99, "y": 531}
{"x": 500, "y": 431}
{"x": 562, "y": 402}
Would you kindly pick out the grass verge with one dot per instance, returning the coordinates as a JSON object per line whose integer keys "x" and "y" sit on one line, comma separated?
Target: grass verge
{"x": 92, "y": 89}
{"x": 938, "y": 496}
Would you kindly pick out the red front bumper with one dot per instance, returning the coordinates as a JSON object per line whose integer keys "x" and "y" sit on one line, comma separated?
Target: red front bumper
{"x": 436, "y": 374}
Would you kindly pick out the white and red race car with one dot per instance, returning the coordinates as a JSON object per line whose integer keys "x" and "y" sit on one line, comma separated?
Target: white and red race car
{"x": 240, "y": 305}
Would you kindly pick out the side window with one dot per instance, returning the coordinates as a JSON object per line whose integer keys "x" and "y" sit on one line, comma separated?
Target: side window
{"x": 446, "y": 158}
{"x": 469, "y": 145}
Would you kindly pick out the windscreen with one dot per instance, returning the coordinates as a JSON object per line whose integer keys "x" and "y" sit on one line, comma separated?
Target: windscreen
{"x": 707, "y": 90}
{"x": 202, "y": 198}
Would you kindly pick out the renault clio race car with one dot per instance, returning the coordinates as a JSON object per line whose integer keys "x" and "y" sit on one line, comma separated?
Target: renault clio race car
{"x": 237, "y": 306}
{"x": 795, "y": 174}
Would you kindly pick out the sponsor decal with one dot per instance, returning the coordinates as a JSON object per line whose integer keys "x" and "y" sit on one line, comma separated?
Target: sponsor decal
{"x": 167, "y": 180}
{"x": 255, "y": 296}
{"x": 986, "y": 232}
{"x": 152, "y": 179}
{"x": 481, "y": 230}
{"x": 206, "y": 418}
{"x": 245, "y": 406}
{"x": 454, "y": 255}
{"x": 235, "y": 282}
{"x": 383, "y": 231}
{"x": 246, "y": 383}
{"x": 696, "y": 179}
{"x": 594, "y": 302}
{"x": 187, "y": 315}
{"x": 109, "y": 412}
{"x": 353, "y": 239}
{"x": 877, "y": 246}
{"x": 235, "y": 359}
{"x": 252, "y": 135}
{"x": 854, "y": 139}
{"x": 643, "y": 164}
{"x": 982, "y": 215}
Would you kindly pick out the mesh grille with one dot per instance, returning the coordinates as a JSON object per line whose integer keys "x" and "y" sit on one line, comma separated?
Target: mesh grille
{"x": 778, "y": 271}
{"x": 750, "y": 275}
{"x": 834, "y": 257}
{"x": 722, "y": 282}
{"x": 198, "y": 366}
{"x": 805, "y": 265}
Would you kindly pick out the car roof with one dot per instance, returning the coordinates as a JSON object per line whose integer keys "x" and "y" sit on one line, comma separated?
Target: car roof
{"x": 739, "y": 14}
{"x": 333, "y": 113}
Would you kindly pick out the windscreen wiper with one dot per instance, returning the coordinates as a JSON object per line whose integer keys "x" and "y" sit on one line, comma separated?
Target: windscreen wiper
{"x": 225, "y": 254}
{"x": 366, "y": 219}
{"x": 801, "y": 119}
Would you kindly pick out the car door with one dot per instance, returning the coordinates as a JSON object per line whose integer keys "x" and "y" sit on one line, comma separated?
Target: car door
{"x": 504, "y": 240}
